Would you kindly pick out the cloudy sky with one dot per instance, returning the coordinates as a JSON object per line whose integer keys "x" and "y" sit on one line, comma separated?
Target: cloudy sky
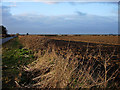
{"x": 60, "y": 17}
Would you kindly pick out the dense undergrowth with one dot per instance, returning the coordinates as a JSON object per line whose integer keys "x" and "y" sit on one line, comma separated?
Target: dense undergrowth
{"x": 14, "y": 56}
{"x": 63, "y": 64}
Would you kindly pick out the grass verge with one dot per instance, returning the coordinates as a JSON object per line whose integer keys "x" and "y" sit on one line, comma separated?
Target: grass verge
{"x": 14, "y": 55}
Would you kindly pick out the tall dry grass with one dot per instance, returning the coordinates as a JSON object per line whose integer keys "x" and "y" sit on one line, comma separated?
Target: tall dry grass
{"x": 58, "y": 68}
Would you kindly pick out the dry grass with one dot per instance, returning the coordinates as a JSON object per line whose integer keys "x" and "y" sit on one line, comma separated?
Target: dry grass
{"x": 62, "y": 64}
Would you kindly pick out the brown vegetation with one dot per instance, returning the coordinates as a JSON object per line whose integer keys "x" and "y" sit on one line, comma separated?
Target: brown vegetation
{"x": 70, "y": 64}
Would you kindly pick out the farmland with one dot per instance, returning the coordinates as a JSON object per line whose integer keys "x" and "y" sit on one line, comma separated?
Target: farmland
{"x": 104, "y": 39}
{"x": 71, "y": 62}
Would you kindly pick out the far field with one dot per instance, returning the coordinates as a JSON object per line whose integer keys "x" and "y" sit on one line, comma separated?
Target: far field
{"x": 104, "y": 39}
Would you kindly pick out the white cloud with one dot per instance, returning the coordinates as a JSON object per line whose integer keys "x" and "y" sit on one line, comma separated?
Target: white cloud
{"x": 49, "y": 1}
{"x": 13, "y": 4}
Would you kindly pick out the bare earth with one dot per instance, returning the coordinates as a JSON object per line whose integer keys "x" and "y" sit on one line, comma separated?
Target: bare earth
{"x": 89, "y": 38}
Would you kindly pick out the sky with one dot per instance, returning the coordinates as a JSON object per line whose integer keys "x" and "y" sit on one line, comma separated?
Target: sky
{"x": 60, "y": 17}
{"x": 60, "y": 0}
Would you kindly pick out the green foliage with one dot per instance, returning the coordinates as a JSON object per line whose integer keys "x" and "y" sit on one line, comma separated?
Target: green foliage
{"x": 14, "y": 56}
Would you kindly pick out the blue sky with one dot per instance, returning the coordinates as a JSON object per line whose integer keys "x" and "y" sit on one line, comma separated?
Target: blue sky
{"x": 64, "y": 8}
{"x": 60, "y": 17}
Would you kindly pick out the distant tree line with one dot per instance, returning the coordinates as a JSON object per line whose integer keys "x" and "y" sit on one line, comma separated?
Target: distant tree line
{"x": 3, "y": 31}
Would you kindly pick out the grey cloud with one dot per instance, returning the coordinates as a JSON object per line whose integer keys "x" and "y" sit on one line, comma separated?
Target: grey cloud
{"x": 5, "y": 11}
{"x": 81, "y": 13}
{"x": 82, "y": 3}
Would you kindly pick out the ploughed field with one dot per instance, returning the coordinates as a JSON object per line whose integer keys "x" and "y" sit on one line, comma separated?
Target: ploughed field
{"x": 104, "y": 39}
{"x": 72, "y": 62}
